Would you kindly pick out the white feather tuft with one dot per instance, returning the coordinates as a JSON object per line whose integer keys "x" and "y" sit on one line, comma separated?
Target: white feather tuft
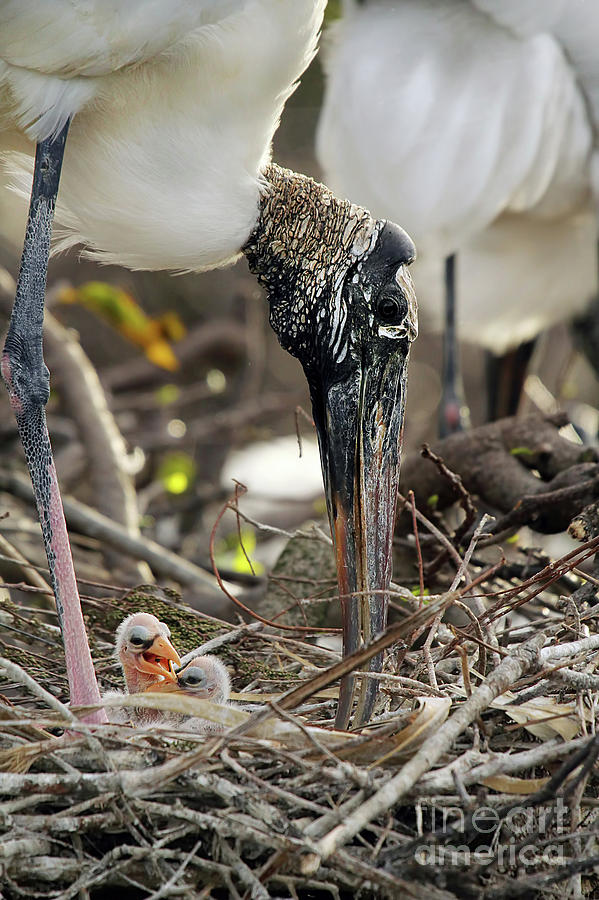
{"x": 466, "y": 122}
{"x": 163, "y": 159}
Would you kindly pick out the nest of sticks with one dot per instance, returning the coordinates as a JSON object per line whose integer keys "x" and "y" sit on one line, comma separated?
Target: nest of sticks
{"x": 476, "y": 778}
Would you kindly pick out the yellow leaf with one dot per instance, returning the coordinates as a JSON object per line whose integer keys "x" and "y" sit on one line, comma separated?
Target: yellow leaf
{"x": 161, "y": 354}
{"x": 122, "y": 311}
{"x": 508, "y": 784}
{"x": 543, "y": 717}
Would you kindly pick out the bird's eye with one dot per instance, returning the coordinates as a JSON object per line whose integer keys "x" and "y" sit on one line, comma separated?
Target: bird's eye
{"x": 389, "y": 309}
{"x": 193, "y": 677}
{"x": 139, "y": 636}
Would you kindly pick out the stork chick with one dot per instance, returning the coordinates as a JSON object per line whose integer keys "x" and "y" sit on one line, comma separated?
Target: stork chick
{"x": 147, "y": 657}
{"x": 206, "y": 678}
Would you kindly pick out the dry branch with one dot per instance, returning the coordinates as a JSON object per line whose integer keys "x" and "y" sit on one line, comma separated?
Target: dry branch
{"x": 87, "y": 521}
{"x": 498, "y": 462}
{"x": 509, "y": 670}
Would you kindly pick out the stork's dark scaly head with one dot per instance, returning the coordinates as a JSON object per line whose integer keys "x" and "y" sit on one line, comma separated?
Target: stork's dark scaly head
{"x": 341, "y": 301}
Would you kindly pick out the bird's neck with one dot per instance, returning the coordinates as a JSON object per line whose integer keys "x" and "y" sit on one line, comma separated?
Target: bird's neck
{"x": 305, "y": 241}
{"x": 137, "y": 682}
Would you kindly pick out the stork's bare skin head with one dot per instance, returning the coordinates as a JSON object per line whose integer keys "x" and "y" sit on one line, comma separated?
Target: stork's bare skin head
{"x": 342, "y": 301}
{"x": 205, "y": 677}
{"x": 145, "y": 652}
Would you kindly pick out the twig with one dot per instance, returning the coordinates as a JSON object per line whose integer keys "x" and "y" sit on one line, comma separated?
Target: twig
{"x": 30, "y": 571}
{"x": 442, "y": 538}
{"x": 508, "y": 671}
{"x": 300, "y": 411}
{"x": 165, "y": 890}
{"x": 240, "y": 489}
{"x": 417, "y": 539}
{"x": 244, "y": 873}
{"x": 441, "y": 781}
{"x": 87, "y": 521}
{"x": 50, "y": 700}
{"x": 84, "y": 398}
{"x": 216, "y": 643}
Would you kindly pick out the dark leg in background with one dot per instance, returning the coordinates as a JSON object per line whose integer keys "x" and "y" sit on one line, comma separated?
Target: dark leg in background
{"x": 453, "y": 413}
{"x": 28, "y": 383}
{"x": 505, "y": 380}
{"x": 585, "y": 329}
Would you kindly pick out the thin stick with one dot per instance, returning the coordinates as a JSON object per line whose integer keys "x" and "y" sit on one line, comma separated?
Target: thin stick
{"x": 30, "y": 571}
{"x": 508, "y": 671}
{"x": 240, "y": 489}
{"x": 417, "y": 539}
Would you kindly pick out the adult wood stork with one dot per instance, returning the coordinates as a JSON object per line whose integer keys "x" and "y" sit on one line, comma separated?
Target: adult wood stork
{"x": 170, "y": 110}
{"x": 475, "y": 123}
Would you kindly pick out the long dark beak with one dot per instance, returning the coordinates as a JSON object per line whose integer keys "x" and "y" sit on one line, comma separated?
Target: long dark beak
{"x": 359, "y": 422}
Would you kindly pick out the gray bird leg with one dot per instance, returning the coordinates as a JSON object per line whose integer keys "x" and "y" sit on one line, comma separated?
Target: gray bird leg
{"x": 28, "y": 382}
{"x": 454, "y": 415}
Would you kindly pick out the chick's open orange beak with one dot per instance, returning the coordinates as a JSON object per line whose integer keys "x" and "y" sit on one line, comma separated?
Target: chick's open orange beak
{"x": 159, "y": 659}
{"x": 164, "y": 687}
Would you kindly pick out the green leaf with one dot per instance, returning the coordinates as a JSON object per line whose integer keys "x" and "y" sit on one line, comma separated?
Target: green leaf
{"x": 177, "y": 472}
{"x": 236, "y": 555}
{"x": 167, "y": 394}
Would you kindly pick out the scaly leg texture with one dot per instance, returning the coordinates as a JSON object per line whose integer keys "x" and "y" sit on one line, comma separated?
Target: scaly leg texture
{"x": 28, "y": 383}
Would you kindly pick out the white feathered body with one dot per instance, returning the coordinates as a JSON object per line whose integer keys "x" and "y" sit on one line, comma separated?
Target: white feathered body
{"x": 477, "y": 135}
{"x": 175, "y": 106}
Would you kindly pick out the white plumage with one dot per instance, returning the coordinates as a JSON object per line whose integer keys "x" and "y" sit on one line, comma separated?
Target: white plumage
{"x": 176, "y": 105}
{"x": 173, "y": 108}
{"x": 472, "y": 123}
